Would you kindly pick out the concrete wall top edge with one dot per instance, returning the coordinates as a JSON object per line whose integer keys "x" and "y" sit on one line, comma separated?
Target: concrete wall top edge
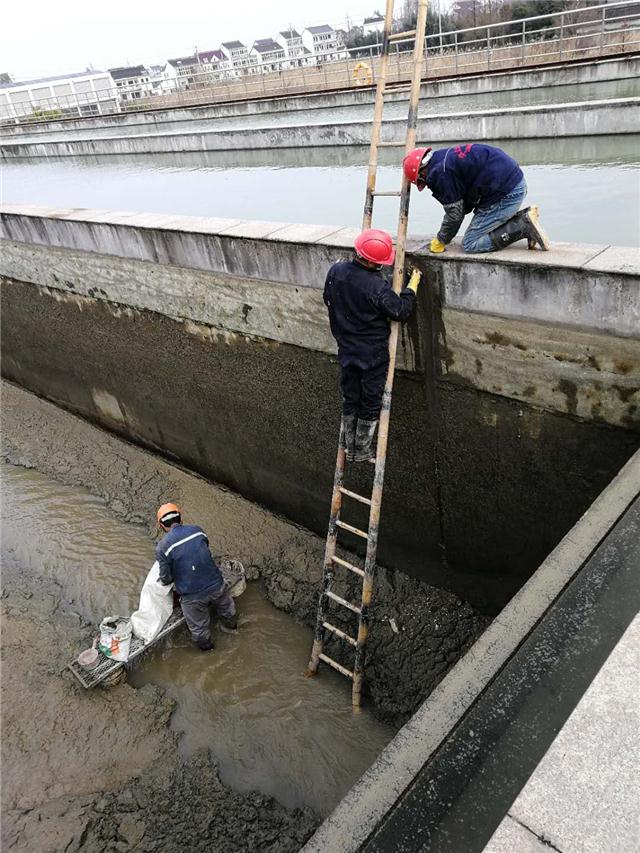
{"x": 603, "y": 258}
{"x": 584, "y": 106}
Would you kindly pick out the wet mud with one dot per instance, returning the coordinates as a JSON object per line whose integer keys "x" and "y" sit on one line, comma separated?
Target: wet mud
{"x": 102, "y": 771}
{"x": 418, "y": 631}
{"x": 111, "y": 770}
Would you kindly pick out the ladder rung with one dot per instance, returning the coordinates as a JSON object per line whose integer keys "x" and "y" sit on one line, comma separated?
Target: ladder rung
{"x": 342, "y": 601}
{"x": 405, "y": 35}
{"x": 355, "y": 569}
{"x": 355, "y": 530}
{"x": 339, "y": 633}
{"x": 390, "y": 144}
{"x": 390, "y": 91}
{"x": 356, "y": 497}
{"x": 336, "y": 665}
{"x": 387, "y": 192}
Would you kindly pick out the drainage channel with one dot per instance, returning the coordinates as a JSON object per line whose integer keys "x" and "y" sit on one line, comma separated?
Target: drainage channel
{"x": 269, "y": 728}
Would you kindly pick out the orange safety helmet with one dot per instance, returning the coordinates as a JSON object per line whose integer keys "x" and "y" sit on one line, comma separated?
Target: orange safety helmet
{"x": 168, "y": 513}
{"x": 375, "y": 246}
{"x": 411, "y": 165}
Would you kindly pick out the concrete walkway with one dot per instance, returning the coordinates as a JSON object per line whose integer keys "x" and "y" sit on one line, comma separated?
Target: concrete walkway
{"x": 583, "y": 796}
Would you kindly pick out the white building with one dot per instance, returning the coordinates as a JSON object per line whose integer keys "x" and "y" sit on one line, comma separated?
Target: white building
{"x": 132, "y": 82}
{"x": 324, "y": 43}
{"x": 86, "y": 93}
{"x": 373, "y": 24}
{"x": 241, "y": 61}
{"x": 291, "y": 41}
{"x": 269, "y": 55}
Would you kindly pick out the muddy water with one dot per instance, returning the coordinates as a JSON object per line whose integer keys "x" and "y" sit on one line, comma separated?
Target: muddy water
{"x": 269, "y": 728}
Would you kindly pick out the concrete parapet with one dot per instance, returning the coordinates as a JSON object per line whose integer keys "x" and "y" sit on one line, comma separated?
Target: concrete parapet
{"x": 549, "y": 121}
{"x": 517, "y": 396}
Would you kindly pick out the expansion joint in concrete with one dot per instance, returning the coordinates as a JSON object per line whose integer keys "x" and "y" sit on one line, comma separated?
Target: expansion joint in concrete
{"x": 540, "y": 838}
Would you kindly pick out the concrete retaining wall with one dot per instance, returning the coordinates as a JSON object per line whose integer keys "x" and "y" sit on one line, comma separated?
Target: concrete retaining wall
{"x": 588, "y": 118}
{"x": 599, "y": 71}
{"x": 207, "y": 340}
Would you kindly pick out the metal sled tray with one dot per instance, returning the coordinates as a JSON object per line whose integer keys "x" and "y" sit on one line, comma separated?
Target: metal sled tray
{"x": 107, "y": 667}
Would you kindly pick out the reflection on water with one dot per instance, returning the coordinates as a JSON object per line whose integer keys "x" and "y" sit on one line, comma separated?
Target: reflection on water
{"x": 270, "y": 728}
{"x": 587, "y": 187}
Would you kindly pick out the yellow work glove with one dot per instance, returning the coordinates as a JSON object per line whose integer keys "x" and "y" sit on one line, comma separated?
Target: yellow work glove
{"x": 414, "y": 281}
{"x": 436, "y": 246}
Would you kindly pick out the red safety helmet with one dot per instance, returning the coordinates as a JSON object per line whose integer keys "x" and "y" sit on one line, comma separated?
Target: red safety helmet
{"x": 375, "y": 246}
{"x": 411, "y": 165}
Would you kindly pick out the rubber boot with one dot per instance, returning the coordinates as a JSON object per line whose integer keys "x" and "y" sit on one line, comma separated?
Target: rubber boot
{"x": 524, "y": 225}
{"x": 365, "y": 451}
{"x": 349, "y": 435}
{"x": 229, "y": 624}
{"x": 205, "y": 646}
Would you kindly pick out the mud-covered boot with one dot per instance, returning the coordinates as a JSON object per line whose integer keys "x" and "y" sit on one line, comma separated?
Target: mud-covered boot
{"x": 348, "y": 435}
{"x": 365, "y": 449}
{"x": 524, "y": 225}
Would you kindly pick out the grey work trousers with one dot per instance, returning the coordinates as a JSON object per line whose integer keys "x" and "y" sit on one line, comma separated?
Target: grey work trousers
{"x": 196, "y": 612}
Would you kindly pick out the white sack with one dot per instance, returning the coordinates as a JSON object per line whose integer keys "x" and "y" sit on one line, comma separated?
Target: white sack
{"x": 156, "y": 605}
{"x": 115, "y": 637}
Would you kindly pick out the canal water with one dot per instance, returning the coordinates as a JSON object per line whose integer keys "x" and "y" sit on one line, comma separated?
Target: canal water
{"x": 269, "y": 728}
{"x": 587, "y": 187}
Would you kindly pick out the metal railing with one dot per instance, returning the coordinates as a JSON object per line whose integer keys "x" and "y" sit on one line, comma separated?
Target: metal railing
{"x": 590, "y": 32}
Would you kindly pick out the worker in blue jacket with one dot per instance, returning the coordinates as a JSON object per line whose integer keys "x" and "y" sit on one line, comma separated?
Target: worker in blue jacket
{"x": 479, "y": 178}
{"x": 185, "y": 560}
{"x": 361, "y": 303}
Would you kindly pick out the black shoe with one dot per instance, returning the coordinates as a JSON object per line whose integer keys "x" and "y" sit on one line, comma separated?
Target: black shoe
{"x": 205, "y": 647}
{"x": 229, "y": 625}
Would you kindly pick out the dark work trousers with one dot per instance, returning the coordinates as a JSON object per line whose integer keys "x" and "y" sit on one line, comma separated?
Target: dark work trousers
{"x": 196, "y": 612}
{"x": 362, "y": 390}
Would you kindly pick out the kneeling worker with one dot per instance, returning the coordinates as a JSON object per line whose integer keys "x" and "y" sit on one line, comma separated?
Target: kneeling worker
{"x": 361, "y": 304}
{"x": 185, "y": 560}
{"x": 481, "y": 178}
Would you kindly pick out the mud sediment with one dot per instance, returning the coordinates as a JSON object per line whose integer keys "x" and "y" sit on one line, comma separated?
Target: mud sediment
{"x": 101, "y": 771}
{"x": 417, "y": 631}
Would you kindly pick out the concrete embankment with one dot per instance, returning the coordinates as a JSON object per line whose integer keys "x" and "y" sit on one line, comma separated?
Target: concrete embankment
{"x": 556, "y": 77}
{"x": 587, "y": 118}
{"x": 207, "y": 340}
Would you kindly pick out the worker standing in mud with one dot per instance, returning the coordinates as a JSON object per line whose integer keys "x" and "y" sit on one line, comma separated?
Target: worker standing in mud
{"x": 185, "y": 560}
{"x": 361, "y": 303}
{"x": 479, "y": 178}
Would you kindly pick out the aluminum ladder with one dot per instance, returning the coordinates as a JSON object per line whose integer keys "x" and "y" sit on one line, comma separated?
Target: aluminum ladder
{"x": 331, "y": 561}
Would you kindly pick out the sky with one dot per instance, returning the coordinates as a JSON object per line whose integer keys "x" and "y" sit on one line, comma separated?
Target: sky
{"x": 42, "y": 38}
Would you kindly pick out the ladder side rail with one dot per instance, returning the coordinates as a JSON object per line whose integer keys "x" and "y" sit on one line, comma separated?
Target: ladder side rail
{"x": 377, "y": 116}
{"x": 329, "y": 554}
{"x": 385, "y": 413}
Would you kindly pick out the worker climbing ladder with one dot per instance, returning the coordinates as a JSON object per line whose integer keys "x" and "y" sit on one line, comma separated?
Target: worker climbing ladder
{"x": 333, "y": 563}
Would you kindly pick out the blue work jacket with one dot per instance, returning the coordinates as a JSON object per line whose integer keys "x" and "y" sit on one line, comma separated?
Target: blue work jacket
{"x": 477, "y": 174}
{"x": 184, "y": 558}
{"x": 361, "y": 304}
